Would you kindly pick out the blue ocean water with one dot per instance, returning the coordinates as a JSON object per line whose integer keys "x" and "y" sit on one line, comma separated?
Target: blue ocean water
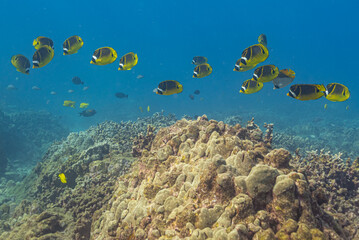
{"x": 317, "y": 39}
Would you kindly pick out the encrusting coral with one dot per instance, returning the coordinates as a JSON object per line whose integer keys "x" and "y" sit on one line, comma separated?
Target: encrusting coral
{"x": 196, "y": 179}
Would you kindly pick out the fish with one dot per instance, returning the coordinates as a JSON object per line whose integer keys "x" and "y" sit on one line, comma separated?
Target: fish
{"x": 337, "y": 92}
{"x": 191, "y": 97}
{"x": 53, "y": 93}
{"x": 284, "y": 78}
{"x": 42, "y": 57}
{"x": 62, "y": 178}
{"x": 141, "y": 109}
{"x": 72, "y": 45}
{"x": 121, "y": 95}
{"x": 11, "y": 87}
{"x": 148, "y": 108}
{"x": 262, "y": 39}
{"x": 168, "y": 87}
{"x": 70, "y": 91}
{"x": 39, "y": 42}
{"x": 251, "y": 57}
{"x": 85, "y": 88}
{"x": 139, "y": 76}
{"x": 88, "y": 113}
{"x": 76, "y": 80}
{"x": 265, "y": 73}
{"x": 128, "y": 61}
{"x": 347, "y": 107}
{"x": 306, "y": 92}
{"x": 199, "y": 60}
{"x": 84, "y": 105}
{"x": 251, "y": 86}
{"x": 68, "y": 103}
{"x": 325, "y": 106}
{"x": 21, "y": 63}
{"x": 104, "y": 56}
{"x": 202, "y": 70}
{"x": 35, "y": 88}
{"x": 197, "y": 92}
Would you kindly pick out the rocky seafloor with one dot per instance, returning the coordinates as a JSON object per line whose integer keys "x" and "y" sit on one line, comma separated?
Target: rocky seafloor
{"x": 189, "y": 179}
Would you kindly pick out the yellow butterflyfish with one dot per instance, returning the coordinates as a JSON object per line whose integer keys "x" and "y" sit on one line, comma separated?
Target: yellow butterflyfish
{"x": 62, "y": 178}
{"x": 84, "y": 105}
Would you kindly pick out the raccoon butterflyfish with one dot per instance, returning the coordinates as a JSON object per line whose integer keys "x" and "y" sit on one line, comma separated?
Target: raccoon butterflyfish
{"x": 191, "y": 97}
{"x": 148, "y": 109}
{"x": 84, "y": 105}
{"x": 62, "y": 178}
{"x": 88, "y": 113}
{"x": 337, "y": 92}
{"x": 42, "y": 56}
{"x": 251, "y": 56}
{"x": 141, "y": 109}
{"x": 128, "y": 61}
{"x": 72, "y": 45}
{"x": 21, "y": 63}
{"x": 103, "y": 56}
{"x": 202, "y": 70}
{"x": 68, "y": 103}
{"x": 197, "y": 92}
{"x": 168, "y": 87}
{"x": 251, "y": 86}
{"x": 306, "y": 91}
{"x": 265, "y": 73}
{"x": 262, "y": 39}
{"x": 199, "y": 60}
{"x": 42, "y": 41}
{"x": 285, "y": 77}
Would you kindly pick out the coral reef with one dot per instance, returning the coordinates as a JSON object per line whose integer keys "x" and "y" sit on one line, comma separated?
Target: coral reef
{"x": 194, "y": 179}
{"x": 41, "y": 207}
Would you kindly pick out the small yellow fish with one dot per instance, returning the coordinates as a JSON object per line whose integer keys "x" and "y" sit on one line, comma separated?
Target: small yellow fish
{"x": 325, "y": 106}
{"x": 347, "y": 107}
{"x": 128, "y": 61}
{"x": 84, "y": 105}
{"x": 62, "y": 178}
{"x": 21, "y": 63}
{"x": 202, "y": 70}
{"x": 148, "y": 108}
{"x": 42, "y": 56}
{"x": 42, "y": 41}
{"x": 103, "y": 56}
{"x": 141, "y": 109}
{"x": 69, "y": 103}
{"x": 72, "y": 45}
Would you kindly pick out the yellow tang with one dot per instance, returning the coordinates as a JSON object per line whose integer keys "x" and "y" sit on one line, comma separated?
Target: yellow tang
{"x": 262, "y": 39}
{"x": 128, "y": 61}
{"x": 84, "y": 105}
{"x": 199, "y": 60}
{"x": 62, "y": 178}
{"x": 103, "y": 56}
{"x": 21, "y": 63}
{"x": 265, "y": 73}
{"x": 72, "y": 45}
{"x": 148, "y": 108}
{"x": 305, "y": 92}
{"x": 251, "y": 56}
{"x": 42, "y": 41}
{"x": 202, "y": 70}
{"x": 42, "y": 56}
{"x": 251, "y": 86}
{"x": 337, "y": 92}
{"x": 141, "y": 109}
{"x": 168, "y": 87}
{"x": 69, "y": 103}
